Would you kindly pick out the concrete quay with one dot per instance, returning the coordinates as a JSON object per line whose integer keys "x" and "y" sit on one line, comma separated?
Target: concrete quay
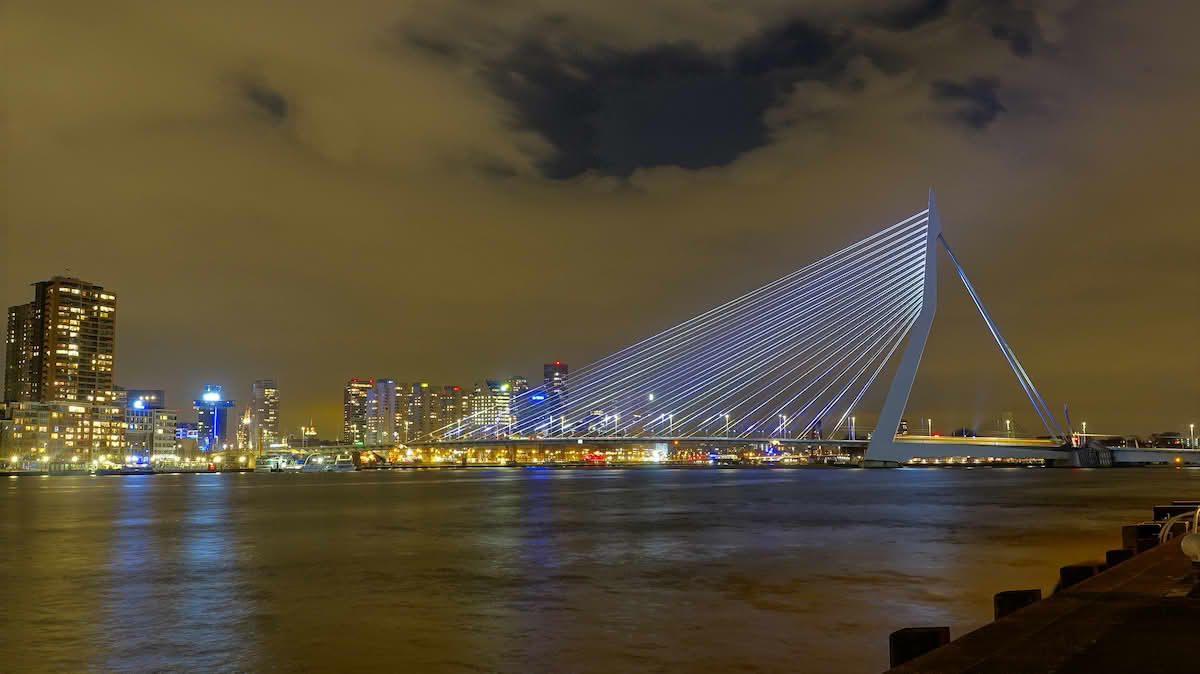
{"x": 1134, "y": 613}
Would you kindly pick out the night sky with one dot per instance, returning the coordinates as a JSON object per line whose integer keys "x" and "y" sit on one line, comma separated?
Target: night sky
{"x": 452, "y": 190}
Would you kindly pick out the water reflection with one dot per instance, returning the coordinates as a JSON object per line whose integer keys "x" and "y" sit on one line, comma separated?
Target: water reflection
{"x": 584, "y": 570}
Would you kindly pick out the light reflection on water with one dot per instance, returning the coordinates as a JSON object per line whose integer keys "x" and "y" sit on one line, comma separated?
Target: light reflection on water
{"x": 511, "y": 570}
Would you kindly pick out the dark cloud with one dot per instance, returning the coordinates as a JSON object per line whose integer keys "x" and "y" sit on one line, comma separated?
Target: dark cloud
{"x": 266, "y": 100}
{"x": 613, "y": 112}
{"x": 1020, "y": 42}
{"x": 911, "y": 14}
{"x": 975, "y": 102}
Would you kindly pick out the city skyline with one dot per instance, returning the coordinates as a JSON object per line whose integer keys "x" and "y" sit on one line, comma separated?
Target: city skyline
{"x": 263, "y": 408}
{"x": 381, "y": 194}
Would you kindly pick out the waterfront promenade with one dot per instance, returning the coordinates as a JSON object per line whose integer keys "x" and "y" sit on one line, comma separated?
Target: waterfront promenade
{"x": 1135, "y": 617}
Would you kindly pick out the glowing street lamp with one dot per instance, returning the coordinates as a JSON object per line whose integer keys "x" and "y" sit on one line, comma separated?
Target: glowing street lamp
{"x": 726, "y": 425}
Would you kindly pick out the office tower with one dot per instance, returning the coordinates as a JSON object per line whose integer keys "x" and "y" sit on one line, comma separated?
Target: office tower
{"x": 518, "y": 395}
{"x": 455, "y": 411}
{"x": 554, "y": 383}
{"x": 382, "y": 408}
{"x": 491, "y": 407}
{"x": 264, "y": 415}
{"x": 149, "y": 431}
{"x": 354, "y": 411}
{"x": 60, "y": 346}
{"x": 212, "y": 419}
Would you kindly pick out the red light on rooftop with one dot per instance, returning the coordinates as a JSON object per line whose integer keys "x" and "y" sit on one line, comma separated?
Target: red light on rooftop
{"x": 454, "y": 387}
{"x": 558, "y": 362}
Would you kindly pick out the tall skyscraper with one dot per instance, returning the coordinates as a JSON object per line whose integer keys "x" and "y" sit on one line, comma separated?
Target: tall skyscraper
{"x": 382, "y": 413}
{"x": 212, "y": 419}
{"x": 60, "y": 346}
{"x": 264, "y": 415}
{"x": 554, "y": 383}
{"x": 354, "y": 411}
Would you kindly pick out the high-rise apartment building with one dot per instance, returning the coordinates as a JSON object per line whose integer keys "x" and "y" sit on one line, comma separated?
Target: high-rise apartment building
{"x": 60, "y": 346}
{"x": 264, "y": 415}
{"x": 59, "y": 371}
{"x": 23, "y": 353}
{"x": 383, "y": 406}
{"x": 354, "y": 411}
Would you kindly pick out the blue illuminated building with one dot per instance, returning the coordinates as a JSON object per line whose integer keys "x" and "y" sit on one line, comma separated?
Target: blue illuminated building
{"x": 212, "y": 419}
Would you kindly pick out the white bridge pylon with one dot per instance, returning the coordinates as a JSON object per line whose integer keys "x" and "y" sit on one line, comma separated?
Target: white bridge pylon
{"x": 885, "y": 447}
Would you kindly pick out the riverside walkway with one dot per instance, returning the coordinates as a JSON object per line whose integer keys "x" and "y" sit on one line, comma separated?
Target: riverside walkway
{"x": 1134, "y": 617}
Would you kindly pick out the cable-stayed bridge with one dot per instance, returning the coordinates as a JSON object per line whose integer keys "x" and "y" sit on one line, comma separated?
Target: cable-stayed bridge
{"x": 789, "y": 362}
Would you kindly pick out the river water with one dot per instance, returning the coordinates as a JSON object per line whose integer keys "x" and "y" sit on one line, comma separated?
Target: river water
{"x": 518, "y": 570}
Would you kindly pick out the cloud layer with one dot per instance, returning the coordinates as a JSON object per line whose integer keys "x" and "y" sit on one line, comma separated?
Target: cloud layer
{"x": 446, "y": 191}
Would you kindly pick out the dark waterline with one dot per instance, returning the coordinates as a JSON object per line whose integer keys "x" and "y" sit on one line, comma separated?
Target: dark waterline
{"x": 535, "y": 570}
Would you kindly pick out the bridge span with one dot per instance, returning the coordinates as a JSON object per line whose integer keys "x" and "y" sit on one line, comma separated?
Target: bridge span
{"x": 785, "y": 362}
